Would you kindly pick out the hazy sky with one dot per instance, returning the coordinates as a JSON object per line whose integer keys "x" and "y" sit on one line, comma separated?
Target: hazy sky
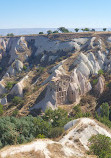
{"x": 55, "y": 13}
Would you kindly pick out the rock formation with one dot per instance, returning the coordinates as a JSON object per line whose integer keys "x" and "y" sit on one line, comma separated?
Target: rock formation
{"x": 73, "y": 144}
{"x": 100, "y": 85}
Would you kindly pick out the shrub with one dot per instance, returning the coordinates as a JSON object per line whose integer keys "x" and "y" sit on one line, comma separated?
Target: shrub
{"x": 63, "y": 29}
{"x": 21, "y": 130}
{"x": 100, "y": 72}
{"x": 41, "y": 136}
{"x": 95, "y": 81}
{"x": 104, "y": 29}
{"x": 10, "y": 34}
{"x": 15, "y": 112}
{"x": 40, "y": 33}
{"x": 76, "y": 29}
{"x": 49, "y": 32}
{"x": 77, "y": 109}
{"x": 1, "y": 109}
{"x": 57, "y": 118}
{"x": 0, "y": 69}
{"x": 55, "y": 31}
{"x": 17, "y": 100}
{"x": 9, "y": 85}
{"x": 24, "y": 67}
{"x": 86, "y": 29}
{"x": 56, "y": 132}
{"x": 100, "y": 145}
{"x": 105, "y": 110}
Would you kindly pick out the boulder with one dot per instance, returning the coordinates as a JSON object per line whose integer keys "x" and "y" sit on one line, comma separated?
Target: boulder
{"x": 49, "y": 100}
{"x": 73, "y": 93}
{"x": 82, "y": 67}
{"x": 18, "y": 65}
{"x": 100, "y": 85}
{"x": 4, "y": 101}
{"x": 17, "y": 90}
{"x": 2, "y": 89}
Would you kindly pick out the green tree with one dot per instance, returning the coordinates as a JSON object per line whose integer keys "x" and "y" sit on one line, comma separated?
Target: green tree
{"x": 40, "y": 33}
{"x": 76, "y": 29}
{"x": 55, "y": 31}
{"x": 10, "y": 35}
{"x": 100, "y": 72}
{"x": 63, "y": 30}
{"x": 105, "y": 110}
{"x": 49, "y": 32}
{"x": 86, "y": 29}
{"x": 9, "y": 85}
{"x": 1, "y": 109}
{"x": 0, "y": 69}
{"x": 24, "y": 67}
{"x": 17, "y": 100}
{"x": 93, "y": 30}
{"x": 100, "y": 145}
{"x": 57, "y": 118}
{"x": 104, "y": 29}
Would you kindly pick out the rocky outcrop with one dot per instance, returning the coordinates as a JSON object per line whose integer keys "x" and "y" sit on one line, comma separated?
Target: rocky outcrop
{"x": 73, "y": 93}
{"x": 16, "y": 67}
{"x": 99, "y": 87}
{"x": 2, "y": 88}
{"x": 89, "y": 56}
{"x": 78, "y": 83}
{"x": 19, "y": 87}
{"x": 3, "y": 101}
{"x": 74, "y": 143}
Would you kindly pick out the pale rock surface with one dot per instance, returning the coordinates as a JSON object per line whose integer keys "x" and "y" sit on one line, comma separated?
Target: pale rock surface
{"x": 18, "y": 65}
{"x": 21, "y": 45}
{"x": 100, "y": 85}
{"x": 15, "y": 67}
{"x": 73, "y": 144}
{"x": 3, "y": 101}
{"x": 73, "y": 93}
{"x": 83, "y": 129}
{"x": 2, "y": 87}
{"x": 49, "y": 101}
{"x": 19, "y": 87}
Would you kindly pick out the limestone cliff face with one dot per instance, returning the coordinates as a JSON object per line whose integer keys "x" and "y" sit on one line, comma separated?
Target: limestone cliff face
{"x": 68, "y": 81}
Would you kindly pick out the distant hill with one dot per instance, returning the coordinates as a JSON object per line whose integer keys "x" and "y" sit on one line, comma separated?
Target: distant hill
{"x": 26, "y": 31}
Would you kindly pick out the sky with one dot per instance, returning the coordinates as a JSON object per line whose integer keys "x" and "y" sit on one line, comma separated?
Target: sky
{"x": 55, "y": 13}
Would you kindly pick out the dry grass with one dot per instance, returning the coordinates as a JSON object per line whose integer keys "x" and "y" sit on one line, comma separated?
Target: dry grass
{"x": 56, "y": 150}
{"x": 31, "y": 154}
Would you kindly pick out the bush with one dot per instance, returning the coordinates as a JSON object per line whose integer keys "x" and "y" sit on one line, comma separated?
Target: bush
{"x": 100, "y": 72}
{"x": 0, "y": 69}
{"x": 49, "y": 32}
{"x": 95, "y": 81}
{"x": 9, "y": 85}
{"x": 10, "y": 34}
{"x": 55, "y": 31}
{"x": 17, "y": 100}
{"x": 63, "y": 30}
{"x": 100, "y": 145}
{"x": 24, "y": 67}
{"x": 104, "y": 29}
{"x": 1, "y": 109}
{"x": 21, "y": 130}
{"x": 104, "y": 110}
{"x": 58, "y": 118}
{"x": 41, "y": 136}
{"x": 40, "y": 33}
{"x": 86, "y": 29}
{"x": 15, "y": 112}
{"x": 56, "y": 132}
{"x": 76, "y": 29}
